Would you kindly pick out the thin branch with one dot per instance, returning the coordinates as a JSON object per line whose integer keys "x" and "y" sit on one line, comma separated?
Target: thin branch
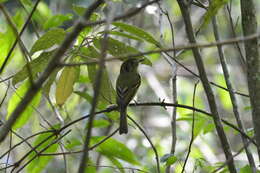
{"x": 232, "y": 95}
{"x": 123, "y": 168}
{"x": 33, "y": 23}
{"x": 42, "y": 150}
{"x": 174, "y": 86}
{"x": 17, "y": 164}
{"x": 241, "y": 56}
{"x": 177, "y": 47}
{"x": 126, "y": 15}
{"x": 206, "y": 85}
{"x": 3, "y": 99}
{"x": 24, "y": 140}
{"x": 6, "y": 79}
{"x": 150, "y": 141}
{"x": 8, "y": 155}
{"x": 17, "y": 38}
{"x": 192, "y": 128}
{"x": 80, "y": 151}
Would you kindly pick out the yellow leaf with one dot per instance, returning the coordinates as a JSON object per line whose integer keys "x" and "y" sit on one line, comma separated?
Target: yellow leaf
{"x": 65, "y": 84}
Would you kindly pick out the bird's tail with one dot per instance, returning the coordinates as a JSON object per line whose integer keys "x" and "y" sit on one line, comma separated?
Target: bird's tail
{"x": 123, "y": 121}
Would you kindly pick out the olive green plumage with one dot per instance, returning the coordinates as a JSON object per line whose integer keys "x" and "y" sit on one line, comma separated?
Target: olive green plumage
{"x": 127, "y": 85}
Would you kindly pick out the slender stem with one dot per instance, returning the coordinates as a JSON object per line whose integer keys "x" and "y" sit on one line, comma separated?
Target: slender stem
{"x": 151, "y": 143}
{"x": 232, "y": 95}
{"x": 192, "y": 129}
{"x": 184, "y": 6}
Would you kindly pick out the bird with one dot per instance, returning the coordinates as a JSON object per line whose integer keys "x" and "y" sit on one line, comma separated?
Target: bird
{"x": 127, "y": 85}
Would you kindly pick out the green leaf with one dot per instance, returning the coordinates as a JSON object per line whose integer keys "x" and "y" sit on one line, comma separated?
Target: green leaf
{"x": 85, "y": 95}
{"x": 101, "y": 105}
{"x": 7, "y": 38}
{"x": 223, "y": 95}
{"x": 100, "y": 123}
{"x": 42, "y": 13}
{"x": 57, "y": 20}
{"x": 37, "y": 65}
{"x": 1, "y": 1}
{"x": 122, "y": 34}
{"x": 214, "y": 6}
{"x": 91, "y": 168}
{"x": 107, "y": 92}
{"x": 49, "y": 39}
{"x": 171, "y": 160}
{"x": 72, "y": 143}
{"x": 18, "y": 19}
{"x": 50, "y": 80}
{"x": 26, "y": 2}
{"x": 65, "y": 84}
{"x": 117, "y": 164}
{"x": 114, "y": 148}
{"x": 137, "y": 32}
{"x": 199, "y": 122}
{"x": 83, "y": 79}
{"x": 83, "y": 34}
{"x": 168, "y": 159}
{"x": 16, "y": 99}
{"x": 40, "y": 162}
{"x": 210, "y": 127}
{"x": 245, "y": 169}
{"x": 247, "y": 108}
{"x": 118, "y": 48}
{"x": 79, "y": 10}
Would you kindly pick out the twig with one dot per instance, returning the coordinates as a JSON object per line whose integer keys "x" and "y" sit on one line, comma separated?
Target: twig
{"x": 42, "y": 150}
{"x": 17, "y": 164}
{"x": 19, "y": 36}
{"x": 8, "y": 78}
{"x": 126, "y": 15}
{"x": 24, "y": 140}
{"x": 131, "y": 169}
{"x": 3, "y": 99}
{"x": 33, "y": 23}
{"x": 151, "y": 143}
{"x": 192, "y": 128}
{"x": 8, "y": 155}
{"x": 80, "y": 151}
{"x": 174, "y": 86}
{"x": 241, "y": 56}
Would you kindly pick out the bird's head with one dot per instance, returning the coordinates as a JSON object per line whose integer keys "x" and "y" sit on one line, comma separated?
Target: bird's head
{"x": 131, "y": 64}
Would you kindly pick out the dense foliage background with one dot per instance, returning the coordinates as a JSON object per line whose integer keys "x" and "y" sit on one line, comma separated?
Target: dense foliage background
{"x": 173, "y": 118}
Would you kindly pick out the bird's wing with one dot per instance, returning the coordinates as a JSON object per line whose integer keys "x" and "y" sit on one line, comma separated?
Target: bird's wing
{"x": 127, "y": 85}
